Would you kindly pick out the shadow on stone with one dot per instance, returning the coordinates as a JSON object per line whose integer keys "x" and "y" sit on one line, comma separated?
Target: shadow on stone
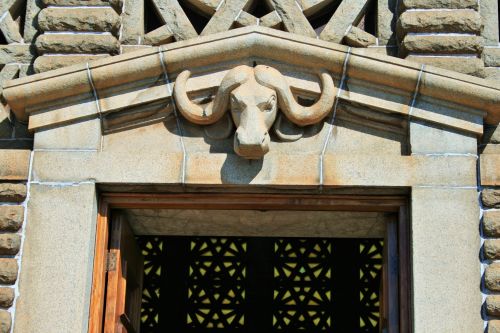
{"x": 237, "y": 170}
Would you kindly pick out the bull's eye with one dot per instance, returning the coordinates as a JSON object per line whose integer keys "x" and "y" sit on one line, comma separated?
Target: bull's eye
{"x": 270, "y": 104}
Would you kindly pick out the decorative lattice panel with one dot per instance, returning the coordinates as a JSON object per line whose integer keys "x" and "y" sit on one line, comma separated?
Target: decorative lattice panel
{"x": 215, "y": 291}
{"x": 202, "y": 284}
{"x": 303, "y": 280}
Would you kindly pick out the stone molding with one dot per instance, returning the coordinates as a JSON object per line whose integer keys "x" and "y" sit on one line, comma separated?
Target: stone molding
{"x": 137, "y": 79}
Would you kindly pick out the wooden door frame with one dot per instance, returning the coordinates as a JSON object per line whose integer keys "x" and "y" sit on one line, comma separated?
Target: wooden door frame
{"x": 239, "y": 201}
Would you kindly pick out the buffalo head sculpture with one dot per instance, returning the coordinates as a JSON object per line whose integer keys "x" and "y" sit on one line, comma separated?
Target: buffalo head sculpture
{"x": 254, "y": 94}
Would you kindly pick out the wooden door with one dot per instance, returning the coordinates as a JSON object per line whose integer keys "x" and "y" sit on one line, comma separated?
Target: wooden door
{"x": 124, "y": 281}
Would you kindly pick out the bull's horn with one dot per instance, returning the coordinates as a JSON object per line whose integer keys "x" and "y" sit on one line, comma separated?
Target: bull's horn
{"x": 211, "y": 112}
{"x": 296, "y": 113}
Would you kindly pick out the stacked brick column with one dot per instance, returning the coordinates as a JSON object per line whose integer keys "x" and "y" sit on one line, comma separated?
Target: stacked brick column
{"x": 442, "y": 33}
{"x": 76, "y": 31}
{"x": 490, "y": 198}
{"x": 13, "y": 193}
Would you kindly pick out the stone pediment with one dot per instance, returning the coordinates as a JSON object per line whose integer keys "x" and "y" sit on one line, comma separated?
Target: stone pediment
{"x": 137, "y": 88}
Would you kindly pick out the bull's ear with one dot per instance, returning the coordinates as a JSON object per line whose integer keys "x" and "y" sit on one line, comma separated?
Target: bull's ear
{"x": 222, "y": 129}
{"x": 286, "y": 130}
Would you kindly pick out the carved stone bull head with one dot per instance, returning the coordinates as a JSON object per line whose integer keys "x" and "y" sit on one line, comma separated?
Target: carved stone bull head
{"x": 253, "y": 94}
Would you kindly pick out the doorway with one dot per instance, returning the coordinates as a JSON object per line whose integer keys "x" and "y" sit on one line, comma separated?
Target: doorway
{"x": 177, "y": 274}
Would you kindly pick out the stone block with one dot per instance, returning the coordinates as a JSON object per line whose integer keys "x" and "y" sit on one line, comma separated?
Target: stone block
{"x": 117, "y": 4}
{"x": 159, "y": 36}
{"x": 11, "y": 218}
{"x": 426, "y": 138}
{"x": 466, "y": 65}
{"x": 439, "y": 4}
{"x": 81, "y": 43}
{"x": 436, "y": 274}
{"x": 5, "y": 124}
{"x": 491, "y": 223}
{"x": 295, "y": 22}
{"x": 491, "y": 56}
{"x": 245, "y": 19}
{"x": 492, "y": 74}
{"x": 493, "y": 305}
{"x": 442, "y": 44}
{"x": 82, "y": 135}
{"x": 8, "y": 271}
{"x": 386, "y": 21}
{"x": 79, "y": 19}
{"x": 489, "y": 13}
{"x": 492, "y": 277}
{"x": 492, "y": 249}
{"x": 494, "y": 326}
{"x": 132, "y": 22}
{"x": 490, "y": 169}
{"x": 455, "y": 21}
{"x": 17, "y": 53}
{"x": 133, "y": 48}
{"x": 48, "y": 63}
{"x": 12, "y": 192}
{"x": 55, "y": 282}
{"x": 5, "y": 322}
{"x": 491, "y": 198}
{"x": 9, "y": 244}
{"x": 174, "y": 17}
{"x": 10, "y": 29}
{"x": 271, "y": 20}
{"x": 359, "y": 38}
{"x": 347, "y": 14}
{"x": 30, "y": 23}
{"x": 15, "y": 164}
{"x": 6, "y": 297}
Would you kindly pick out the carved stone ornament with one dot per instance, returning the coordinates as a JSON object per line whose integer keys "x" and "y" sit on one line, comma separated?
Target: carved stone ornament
{"x": 253, "y": 95}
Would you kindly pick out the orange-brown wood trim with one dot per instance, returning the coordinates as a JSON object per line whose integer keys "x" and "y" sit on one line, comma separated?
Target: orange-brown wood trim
{"x": 238, "y": 201}
{"x": 256, "y": 201}
{"x": 99, "y": 272}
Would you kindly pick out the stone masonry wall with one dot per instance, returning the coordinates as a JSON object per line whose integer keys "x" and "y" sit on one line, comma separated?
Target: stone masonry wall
{"x": 13, "y": 193}
{"x": 490, "y": 226}
{"x": 40, "y": 35}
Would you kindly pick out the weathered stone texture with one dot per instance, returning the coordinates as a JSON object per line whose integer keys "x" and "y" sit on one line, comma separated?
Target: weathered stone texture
{"x": 467, "y": 65}
{"x": 6, "y": 297}
{"x": 460, "y": 21}
{"x": 347, "y": 14}
{"x": 133, "y": 22}
{"x": 5, "y": 322}
{"x": 114, "y": 3}
{"x": 15, "y": 53}
{"x": 11, "y": 218}
{"x": 447, "y": 44}
{"x": 491, "y": 198}
{"x": 491, "y": 57}
{"x": 490, "y": 169}
{"x": 11, "y": 192}
{"x": 489, "y": 13}
{"x": 359, "y": 38}
{"x": 492, "y": 74}
{"x": 79, "y": 19}
{"x": 159, "y": 36}
{"x": 47, "y": 63}
{"x": 492, "y": 277}
{"x": 492, "y": 249}
{"x": 491, "y": 223}
{"x": 69, "y": 43}
{"x": 8, "y": 271}
{"x": 493, "y": 305}
{"x": 438, "y": 4}
{"x": 14, "y": 165}
{"x": 9, "y": 244}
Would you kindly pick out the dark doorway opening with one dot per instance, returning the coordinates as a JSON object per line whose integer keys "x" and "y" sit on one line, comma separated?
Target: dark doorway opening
{"x": 261, "y": 284}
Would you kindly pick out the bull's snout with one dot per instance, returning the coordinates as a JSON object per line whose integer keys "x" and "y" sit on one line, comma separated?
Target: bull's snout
{"x": 251, "y": 145}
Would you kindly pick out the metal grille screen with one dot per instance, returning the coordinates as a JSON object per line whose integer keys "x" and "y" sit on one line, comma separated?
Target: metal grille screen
{"x": 224, "y": 284}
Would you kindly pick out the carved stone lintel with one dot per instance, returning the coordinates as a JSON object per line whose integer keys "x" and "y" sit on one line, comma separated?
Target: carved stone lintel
{"x": 254, "y": 94}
